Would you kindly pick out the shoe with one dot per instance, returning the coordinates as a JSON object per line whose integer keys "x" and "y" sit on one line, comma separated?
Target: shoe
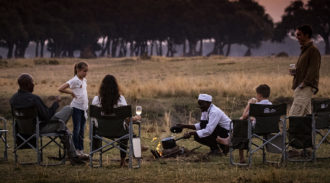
{"x": 293, "y": 153}
{"x": 306, "y": 153}
{"x": 76, "y": 161}
{"x": 215, "y": 152}
{"x": 225, "y": 150}
{"x": 82, "y": 156}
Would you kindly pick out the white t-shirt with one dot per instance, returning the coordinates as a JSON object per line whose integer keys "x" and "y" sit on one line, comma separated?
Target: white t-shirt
{"x": 121, "y": 101}
{"x": 79, "y": 88}
{"x": 265, "y": 102}
{"x": 96, "y": 101}
{"x": 215, "y": 116}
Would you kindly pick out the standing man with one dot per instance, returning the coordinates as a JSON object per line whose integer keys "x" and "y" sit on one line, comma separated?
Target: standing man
{"x": 214, "y": 122}
{"x": 306, "y": 73}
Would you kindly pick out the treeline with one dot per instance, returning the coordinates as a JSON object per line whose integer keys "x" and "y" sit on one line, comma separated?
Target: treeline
{"x": 132, "y": 27}
{"x": 128, "y": 26}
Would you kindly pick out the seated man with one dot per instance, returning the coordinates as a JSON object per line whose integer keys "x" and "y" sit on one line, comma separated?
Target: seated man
{"x": 262, "y": 95}
{"x": 214, "y": 122}
{"x": 24, "y": 98}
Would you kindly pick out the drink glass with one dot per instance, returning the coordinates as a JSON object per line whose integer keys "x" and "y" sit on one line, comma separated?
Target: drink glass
{"x": 138, "y": 110}
{"x": 292, "y": 69}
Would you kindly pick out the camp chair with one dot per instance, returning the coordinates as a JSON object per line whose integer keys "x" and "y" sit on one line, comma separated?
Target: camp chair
{"x": 267, "y": 129}
{"x": 110, "y": 131}
{"x": 321, "y": 119}
{"x": 26, "y": 132}
{"x": 303, "y": 131}
{"x": 300, "y": 136}
{"x": 3, "y": 136}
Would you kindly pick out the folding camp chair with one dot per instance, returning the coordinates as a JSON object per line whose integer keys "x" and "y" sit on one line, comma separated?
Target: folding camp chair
{"x": 321, "y": 119}
{"x": 300, "y": 135}
{"x": 267, "y": 129}
{"x": 111, "y": 130}
{"x": 3, "y": 136}
{"x": 303, "y": 131}
{"x": 27, "y": 135}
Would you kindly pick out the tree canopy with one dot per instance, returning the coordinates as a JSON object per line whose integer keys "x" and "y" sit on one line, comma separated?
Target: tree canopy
{"x": 314, "y": 12}
{"x": 138, "y": 27}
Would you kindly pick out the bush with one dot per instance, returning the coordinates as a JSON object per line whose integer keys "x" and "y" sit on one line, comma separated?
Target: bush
{"x": 282, "y": 54}
{"x": 46, "y": 62}
{"x": 53, "y": 62}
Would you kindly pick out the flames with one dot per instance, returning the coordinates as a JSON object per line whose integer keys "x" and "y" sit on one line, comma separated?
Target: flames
{"x": 158, "y": 146}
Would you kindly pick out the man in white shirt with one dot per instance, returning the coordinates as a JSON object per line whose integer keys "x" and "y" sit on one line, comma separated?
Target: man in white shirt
{"x": 214, "y": 122}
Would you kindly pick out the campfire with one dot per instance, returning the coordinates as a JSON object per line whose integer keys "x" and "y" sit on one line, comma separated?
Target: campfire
{"x": 166, "y": 148}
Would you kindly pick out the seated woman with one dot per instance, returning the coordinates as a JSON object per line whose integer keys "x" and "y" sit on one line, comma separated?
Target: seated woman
{"x": 108, "y": 99}
{"x": 262, "y": 95}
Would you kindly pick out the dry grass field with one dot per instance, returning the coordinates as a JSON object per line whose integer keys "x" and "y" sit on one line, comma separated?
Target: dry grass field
{"x": 167, "y": 89}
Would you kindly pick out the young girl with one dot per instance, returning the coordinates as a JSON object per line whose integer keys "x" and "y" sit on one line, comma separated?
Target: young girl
{"x": 79, "y": 104}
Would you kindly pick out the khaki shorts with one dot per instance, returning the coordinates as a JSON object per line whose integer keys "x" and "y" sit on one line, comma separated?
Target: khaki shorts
{"x": 301, "y": 102}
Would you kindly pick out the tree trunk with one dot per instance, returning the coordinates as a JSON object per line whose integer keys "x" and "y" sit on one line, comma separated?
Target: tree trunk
{"x": 160, "y": 48}
{"x": 152, "y": 48}
{"x": 201, "y": 48}
{"x": 10, "y": 50}
{"x": 37, "y": 49}
{"x": 42, "y": 44}
{"x": 327, "y": 45}
{"x": 105, "y": 47}
{"x": 184, "y": 48}
{"x": 248, "y": 52}
{"x": 114, "y": 47}
{"x": 228, "y": 49}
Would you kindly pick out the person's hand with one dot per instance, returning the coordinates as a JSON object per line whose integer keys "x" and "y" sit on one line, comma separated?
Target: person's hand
{"x": 302, "y": 85}
{"x": 187, "y": 135}
{"x": 252, "y": 101}
{"x": 137, "y": 118}
{"x": 241, "y": 118}
{"x": 73, "y": 95}
{"x": 58, "y": 99}
{"x": 179, "y": 125}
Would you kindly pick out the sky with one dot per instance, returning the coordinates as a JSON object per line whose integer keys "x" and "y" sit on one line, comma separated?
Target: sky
{"x": 275, "y": 8}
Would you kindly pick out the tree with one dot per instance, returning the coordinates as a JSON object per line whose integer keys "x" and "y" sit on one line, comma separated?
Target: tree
{"x": 315, "y": 12}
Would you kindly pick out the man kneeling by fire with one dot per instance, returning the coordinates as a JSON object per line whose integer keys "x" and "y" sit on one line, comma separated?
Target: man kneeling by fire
{"x": 214, "y": 122}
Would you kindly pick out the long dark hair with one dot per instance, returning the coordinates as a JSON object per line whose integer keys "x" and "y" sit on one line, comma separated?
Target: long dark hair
{"x": 109, "y": 93}
{"x": 79, "y": 66}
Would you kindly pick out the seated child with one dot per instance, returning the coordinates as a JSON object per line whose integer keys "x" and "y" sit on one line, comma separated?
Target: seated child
{"x": 262, "y": 95}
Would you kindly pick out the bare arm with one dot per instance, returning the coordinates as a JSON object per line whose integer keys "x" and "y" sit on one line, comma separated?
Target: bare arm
{"x": 64, "y": 89}
{"x": 245, "y": 114}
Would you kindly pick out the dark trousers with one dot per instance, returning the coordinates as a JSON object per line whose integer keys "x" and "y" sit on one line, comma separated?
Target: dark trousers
{"x": 211, "y": 140}
{"x": 79, "y": 121}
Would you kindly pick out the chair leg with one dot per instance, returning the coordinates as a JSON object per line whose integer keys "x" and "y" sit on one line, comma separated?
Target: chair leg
{"x": 100, "y": 160}
{"x": 6, "y": 148}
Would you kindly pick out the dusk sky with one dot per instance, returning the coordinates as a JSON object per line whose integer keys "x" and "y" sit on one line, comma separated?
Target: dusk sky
{"x": 275, "y": 8}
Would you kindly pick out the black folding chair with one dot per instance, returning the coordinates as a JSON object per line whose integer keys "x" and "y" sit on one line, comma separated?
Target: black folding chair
{"x": 3, "y": 136}
{"x": 27, "y": 135}
{"x": 111, "y": 130}
{"x": 300, "y": 136}
{"x": 321, "y": 119}
{"x": 267, "y": 129}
